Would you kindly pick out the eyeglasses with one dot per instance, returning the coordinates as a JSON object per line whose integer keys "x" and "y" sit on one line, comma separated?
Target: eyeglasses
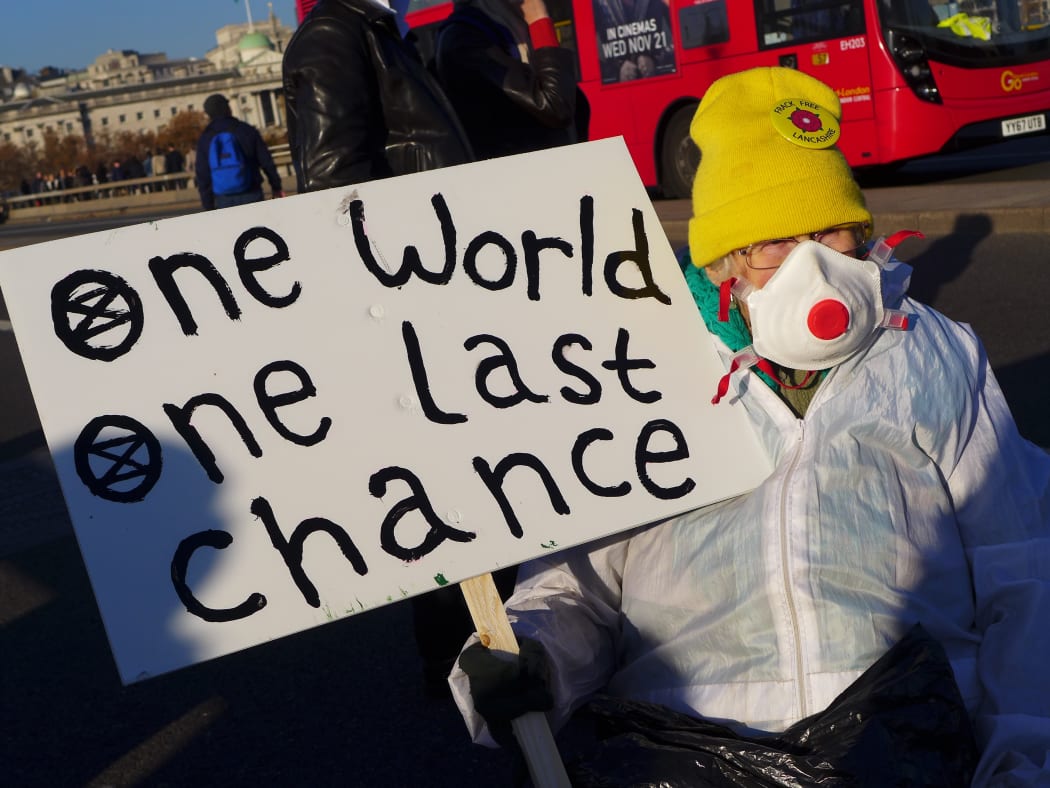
{"x": 845, "y": 238}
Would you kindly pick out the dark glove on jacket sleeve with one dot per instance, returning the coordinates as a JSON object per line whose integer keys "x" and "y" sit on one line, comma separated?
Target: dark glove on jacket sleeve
{"x": 503, "y": 689}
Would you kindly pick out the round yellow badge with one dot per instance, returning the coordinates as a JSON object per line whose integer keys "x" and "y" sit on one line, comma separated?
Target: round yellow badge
{"x": 805, "y": 123}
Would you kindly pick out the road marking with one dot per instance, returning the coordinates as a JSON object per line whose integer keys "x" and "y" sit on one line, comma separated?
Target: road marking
{"x": 5, "y": 325}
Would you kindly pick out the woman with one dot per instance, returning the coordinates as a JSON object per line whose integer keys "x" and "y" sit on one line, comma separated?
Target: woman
{"x": 901, "y": 495}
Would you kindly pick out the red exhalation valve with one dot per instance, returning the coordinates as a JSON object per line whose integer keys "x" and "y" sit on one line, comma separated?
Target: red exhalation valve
{"x": 828, "y": 319}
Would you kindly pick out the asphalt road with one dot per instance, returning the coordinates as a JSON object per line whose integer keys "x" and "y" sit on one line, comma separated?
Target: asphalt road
{"x": 342, "y": 704}
{"x": 998, "y": 284}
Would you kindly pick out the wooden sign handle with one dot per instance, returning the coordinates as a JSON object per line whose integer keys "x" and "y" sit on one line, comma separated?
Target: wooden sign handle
{"x": 531, "y": 730}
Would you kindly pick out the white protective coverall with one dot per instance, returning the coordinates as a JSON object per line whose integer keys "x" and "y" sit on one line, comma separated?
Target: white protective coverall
{"x": 905, "y": 495}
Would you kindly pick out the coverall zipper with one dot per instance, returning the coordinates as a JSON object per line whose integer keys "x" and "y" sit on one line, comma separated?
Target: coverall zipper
{"x": 786, "y": 575}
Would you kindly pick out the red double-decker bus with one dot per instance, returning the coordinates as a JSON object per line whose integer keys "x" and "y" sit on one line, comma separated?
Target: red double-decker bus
{"x": 915, "y": 77}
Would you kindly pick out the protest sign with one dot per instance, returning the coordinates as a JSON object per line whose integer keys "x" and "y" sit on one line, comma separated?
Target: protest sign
{"x": 272, "y": 416}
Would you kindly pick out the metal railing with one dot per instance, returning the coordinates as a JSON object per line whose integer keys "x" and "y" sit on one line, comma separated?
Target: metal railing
{"x": 106, "y": 190}
{"x": 150, "y": 193}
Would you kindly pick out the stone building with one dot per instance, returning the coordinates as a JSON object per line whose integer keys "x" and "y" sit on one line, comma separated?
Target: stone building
{"x": 130, "y": 91}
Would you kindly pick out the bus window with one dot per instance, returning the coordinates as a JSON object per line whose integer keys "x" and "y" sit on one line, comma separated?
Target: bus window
{"x": 911, "y": 13}
{"x": 634, "y": 39}
{"x": 980, "y": 19}
{"x": 703, "y": 24}
{"x": 564, "y": 26}
{"x": 797, "y": 21}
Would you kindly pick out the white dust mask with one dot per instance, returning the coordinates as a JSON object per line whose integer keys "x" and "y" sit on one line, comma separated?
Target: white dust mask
{"x": 817, "y": 310}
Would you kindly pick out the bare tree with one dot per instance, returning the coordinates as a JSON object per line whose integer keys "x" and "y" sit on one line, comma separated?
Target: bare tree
{"x": 16, "y": 163}
{"x": 183, "y": 130}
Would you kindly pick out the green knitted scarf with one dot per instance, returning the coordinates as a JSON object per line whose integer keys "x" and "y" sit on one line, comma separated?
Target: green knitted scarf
{"x": 733, "y": 332}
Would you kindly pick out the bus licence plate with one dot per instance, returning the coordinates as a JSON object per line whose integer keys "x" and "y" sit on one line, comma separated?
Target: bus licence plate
{"x": 1024, "y": 125}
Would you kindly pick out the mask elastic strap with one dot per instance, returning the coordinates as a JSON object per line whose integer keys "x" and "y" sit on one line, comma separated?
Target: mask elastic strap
{"x": 766, "y": 367}
{"x": 900, "y": 235}
{"x": 724, "y": 299}
{"x": 729, "y": 289}
{"x": 747, "y": 358}
{"x": 742, "y": 359}
{"x": 881, "y": 250}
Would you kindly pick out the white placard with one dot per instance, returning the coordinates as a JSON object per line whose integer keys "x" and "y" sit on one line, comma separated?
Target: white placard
{"x": 269, "y": 417}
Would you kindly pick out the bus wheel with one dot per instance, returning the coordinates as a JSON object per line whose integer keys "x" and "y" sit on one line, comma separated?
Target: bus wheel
{"x": 679, "y": 156}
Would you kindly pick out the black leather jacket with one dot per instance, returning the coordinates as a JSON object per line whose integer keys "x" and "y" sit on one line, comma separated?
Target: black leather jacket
{"x": 360, "y": 103}
{"x": 507, "y": 106}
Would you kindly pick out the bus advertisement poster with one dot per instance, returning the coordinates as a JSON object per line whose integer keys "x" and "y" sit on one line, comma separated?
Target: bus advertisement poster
{"x": 634, "y": 39}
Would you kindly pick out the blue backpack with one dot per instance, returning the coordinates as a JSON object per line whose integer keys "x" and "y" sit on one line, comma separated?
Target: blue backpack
{"x": 229, "y": 168}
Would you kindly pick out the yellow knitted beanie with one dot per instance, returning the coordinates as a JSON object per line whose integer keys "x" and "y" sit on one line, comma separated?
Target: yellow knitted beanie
{"x": 769, "y": 167}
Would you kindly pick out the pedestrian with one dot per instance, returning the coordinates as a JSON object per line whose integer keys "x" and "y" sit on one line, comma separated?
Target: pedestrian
{"x": 230, "y": 154}
{"x": 512, "y": 86}
{"x": 39, "y": 186}
{"x": 158, "y": 166}
{"x": 83, "y": 179}
{"x": 101, "y": 175}
{"x": 360, "y": 103}
{"x": 66, "y": 181}
{"x": 174, "y": 163}
{"x": 901, "y": 495}
{"x": 51, "y": 184}
{"x": 133, "y": 171}
{"x": 190, "y": 162}
{"x": 146, "y": 164}
{"x": 117, "y": 175}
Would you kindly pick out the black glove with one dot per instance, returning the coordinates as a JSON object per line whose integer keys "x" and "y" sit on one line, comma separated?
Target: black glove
{"x": 504, "y": 689}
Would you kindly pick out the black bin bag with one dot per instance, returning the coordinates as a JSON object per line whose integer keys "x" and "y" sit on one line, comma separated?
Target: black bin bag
{"x": 902, "y": 723}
